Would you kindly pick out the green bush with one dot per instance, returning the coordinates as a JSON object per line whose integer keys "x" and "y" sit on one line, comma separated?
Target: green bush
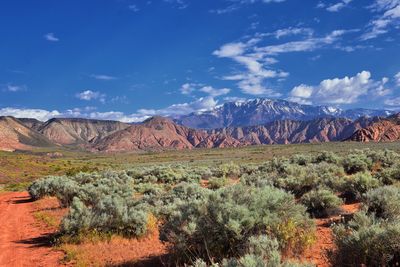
{"x": 367, "y": 241}
{"x": 383, "y": 202}
{"x": 216, "y": 183}
{"x": 112, "y": 214}
{"x": 321, "y": 202}
{"x": 356, "y": 185}
{"x": 355, "y": 163}
{"x": 389, "y": 175}
{"x": 221, "y": 225}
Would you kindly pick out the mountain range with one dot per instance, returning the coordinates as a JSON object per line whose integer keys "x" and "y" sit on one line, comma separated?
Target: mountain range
{"x": 260, "y": 121}
{"x": 263, "y": 110}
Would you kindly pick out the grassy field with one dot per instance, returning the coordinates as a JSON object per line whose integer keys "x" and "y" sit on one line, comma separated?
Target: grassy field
{"x": 17, "y": 169}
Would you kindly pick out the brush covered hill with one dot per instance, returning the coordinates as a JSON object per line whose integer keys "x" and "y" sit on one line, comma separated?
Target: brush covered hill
{"x": 14, "y": 135}
{"x": 384, "y": 130}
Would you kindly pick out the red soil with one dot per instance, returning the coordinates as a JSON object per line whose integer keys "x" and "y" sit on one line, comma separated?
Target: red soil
{"x": 22, "y": 243}
{"x": 318, "y": 253}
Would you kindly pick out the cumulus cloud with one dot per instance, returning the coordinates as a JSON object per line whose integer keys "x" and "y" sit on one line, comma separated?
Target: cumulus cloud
{"x": 198, "y": 105}
{"x": 40, "y": 114}
{"x": 345, "y": 90}
{"x": 89, "y": 95}
{"x": 51, "y": 37}
{"x": 388, "y": 14}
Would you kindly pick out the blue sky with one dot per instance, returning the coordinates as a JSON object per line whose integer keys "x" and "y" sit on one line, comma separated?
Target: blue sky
{"x": 130, "y": 59}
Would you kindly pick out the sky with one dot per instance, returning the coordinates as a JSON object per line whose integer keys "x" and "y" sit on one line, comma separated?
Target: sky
{"x": 130, "y": 59}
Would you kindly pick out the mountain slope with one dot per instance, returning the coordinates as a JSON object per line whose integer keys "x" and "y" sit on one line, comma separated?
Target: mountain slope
{"x": 261, "y": 111}
{"x": 161, "y": 133}
{"x": 79, "y": 131}
{"x": 154, "y": 133}
{"x": 385, "y": 130}
{"x": 14, "y": 135}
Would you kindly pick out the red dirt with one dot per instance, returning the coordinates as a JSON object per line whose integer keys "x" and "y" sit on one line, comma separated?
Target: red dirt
{"x": 22, "y": 243}
{"x": 318, "y": 253}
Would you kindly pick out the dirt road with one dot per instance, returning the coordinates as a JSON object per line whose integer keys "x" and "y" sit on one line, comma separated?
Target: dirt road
{"x": 22, "y": 242}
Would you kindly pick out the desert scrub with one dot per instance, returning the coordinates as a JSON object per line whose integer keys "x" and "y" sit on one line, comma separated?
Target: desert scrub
{"x": 357, "y": 162}
{"x": 216, "y": 183}
{"x": 112, "y": 214}
{"x": 221, "y": 224}
{"x": 389, "y": 175}
{"x": 358, "y": 184}
{"x": 321, "y": 202}
{"x": 383, "y": 202}
{"x": 367, "y": 241}
{"x": 260, "y": 251}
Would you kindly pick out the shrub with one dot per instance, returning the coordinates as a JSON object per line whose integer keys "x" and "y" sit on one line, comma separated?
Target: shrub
{"x": 328, "y": 157}
{"x": 113, "y": 214}
{"x": 355, "y": 186}
{"x": 367, "y": 241}
{"x": 390, "y": 175}
{"x": 216, "y": 183}
{"x": 354, "y": 163}
{"x": 221, "y": 225}
{"x": 321, "y": 202}
{"x": 384, "y": 202}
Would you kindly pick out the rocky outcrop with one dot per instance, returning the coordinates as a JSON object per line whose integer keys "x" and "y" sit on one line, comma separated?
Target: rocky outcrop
{"x": 383, "y": 130}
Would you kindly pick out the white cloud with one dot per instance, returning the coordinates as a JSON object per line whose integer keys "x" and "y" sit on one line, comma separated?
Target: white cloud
{"x": 103, "y": 77}
{"x": 345, "y": 90}
{"x": 89, "y": 95}
{"x": 256, "y": 59}
{"x": 211, "y": 91}
{"x": 13, "y": 87}
{"x": 397, "y": 78}
{"x": 201, "y": 104}
{"x": 388, "y": 14}
{"x": 51, "y": 37}
{"x": 238, "y": 3}
{"x": 338, "y": 6}
{"x": 293, "y": 31}
{"x": 40, "y": 114}
{"x": 188, "y": 88}
{"x": 306, "y": 45}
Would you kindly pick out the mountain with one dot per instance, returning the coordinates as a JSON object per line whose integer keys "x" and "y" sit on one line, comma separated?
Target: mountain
{"x": 384, "y": 130}
{"x": 261, "y": 111}
{"x": 162, "y": 133}
{"x": 31, "y": 123}
{"x": 14, "y": 135}
{"x": 154, "y": 133}
{"x": 74, "y": 131}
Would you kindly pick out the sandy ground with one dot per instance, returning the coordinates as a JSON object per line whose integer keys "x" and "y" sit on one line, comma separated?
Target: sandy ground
{"x": 22, "y": 242}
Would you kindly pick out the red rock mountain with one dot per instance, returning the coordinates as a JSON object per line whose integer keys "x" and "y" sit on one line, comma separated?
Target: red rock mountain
{"x": 161, "y": 133}
{"x": 78, "y": 131}
{"x": 14, "y": 135}
{"x": 384, "y": 130}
